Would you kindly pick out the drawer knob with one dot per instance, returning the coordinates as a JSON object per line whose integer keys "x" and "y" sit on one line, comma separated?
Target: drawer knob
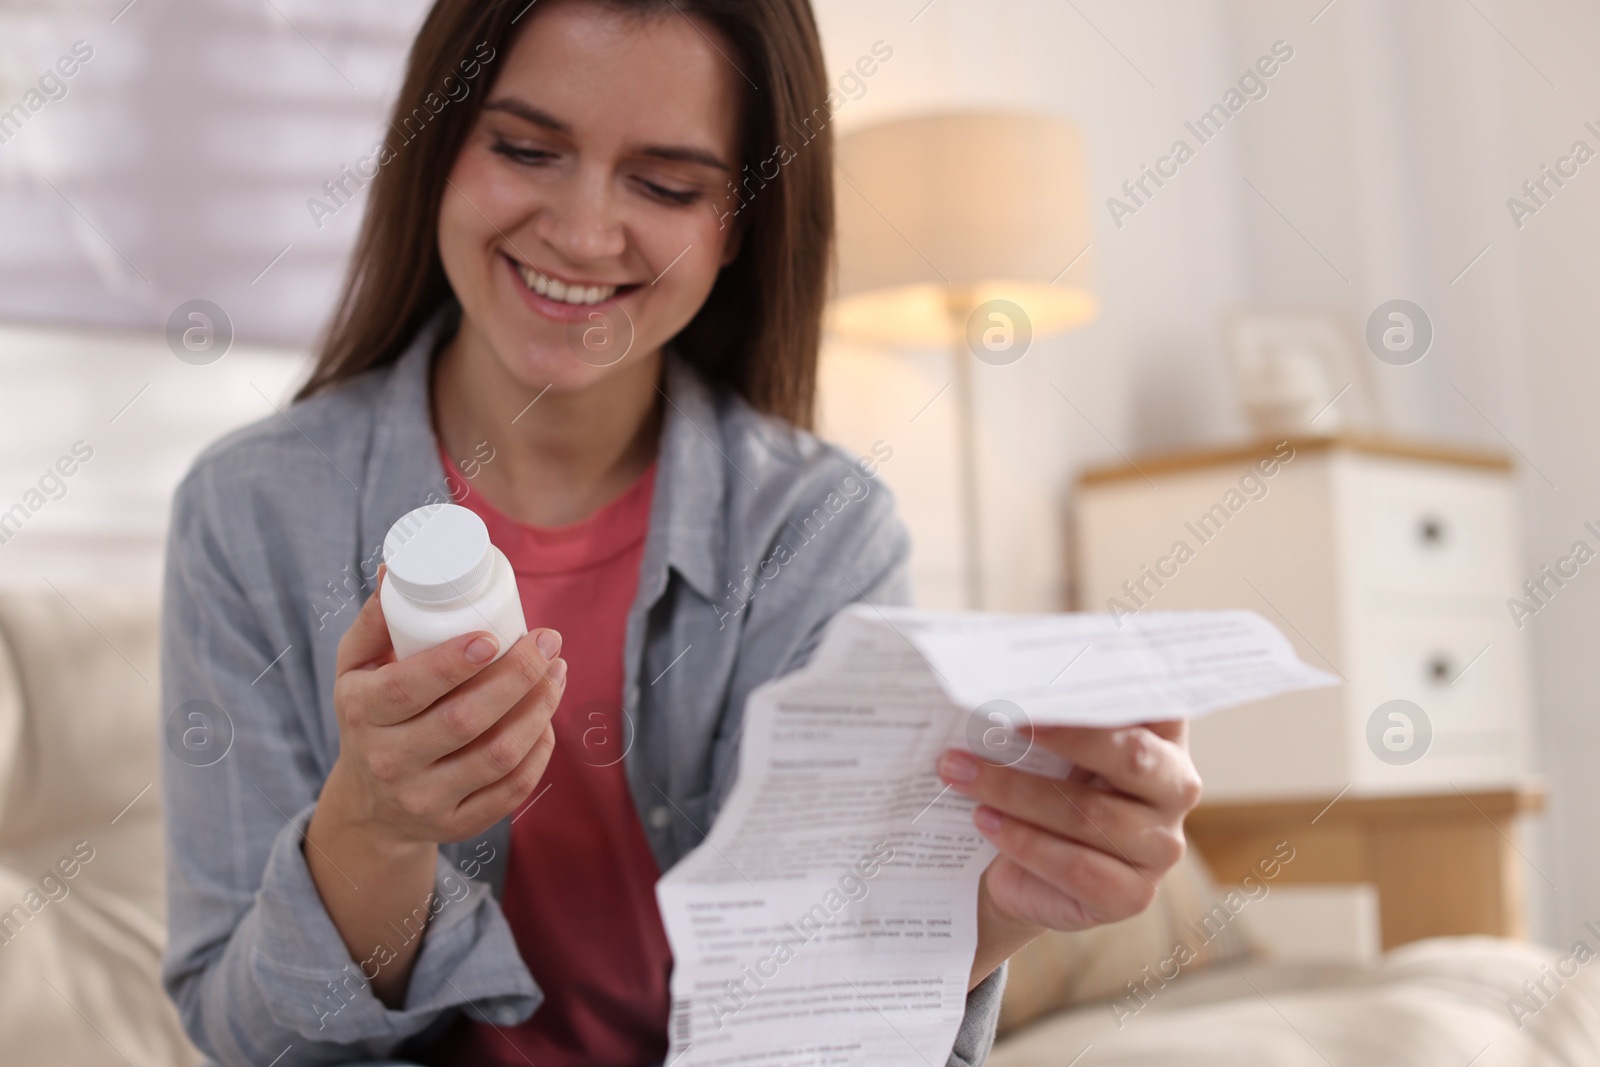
{"x": 1430, "y": 531}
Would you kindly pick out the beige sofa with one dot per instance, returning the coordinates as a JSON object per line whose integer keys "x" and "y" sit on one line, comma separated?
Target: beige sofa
{"x": 78, "y": 736}
{"x": 1435, "y": 1003}
{"x": 81, "y": 915}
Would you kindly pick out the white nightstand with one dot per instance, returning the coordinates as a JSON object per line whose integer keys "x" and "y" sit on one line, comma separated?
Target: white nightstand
{"x": 1388, "y": 563}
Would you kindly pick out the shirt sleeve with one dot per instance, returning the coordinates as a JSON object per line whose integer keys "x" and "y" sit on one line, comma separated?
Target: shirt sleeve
{"x": 976, "y": 1036}
{"x": 254, "y": 963}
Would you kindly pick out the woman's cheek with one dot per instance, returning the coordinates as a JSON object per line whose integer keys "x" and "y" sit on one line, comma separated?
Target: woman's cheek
{"x": 461, "y": 242}
{"x": 680, "y": 289}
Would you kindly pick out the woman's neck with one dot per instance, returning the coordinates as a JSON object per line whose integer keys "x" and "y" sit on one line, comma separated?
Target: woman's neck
{"x": 556, "y": 458}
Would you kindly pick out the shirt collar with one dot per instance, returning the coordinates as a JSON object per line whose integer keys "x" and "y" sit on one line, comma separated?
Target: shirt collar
{"x": 691, "y": 484}
{"x": 404, "y": 470}
{"x": 691, "y": 474}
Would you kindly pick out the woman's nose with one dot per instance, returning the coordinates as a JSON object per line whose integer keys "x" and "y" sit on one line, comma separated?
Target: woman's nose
{"x": 581, "y": 220}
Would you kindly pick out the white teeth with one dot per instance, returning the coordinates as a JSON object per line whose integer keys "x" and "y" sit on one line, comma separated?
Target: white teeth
{"x": 559, "y": 290}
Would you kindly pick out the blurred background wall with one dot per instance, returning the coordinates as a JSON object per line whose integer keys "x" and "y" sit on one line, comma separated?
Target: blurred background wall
{"x": 179, "y": 164}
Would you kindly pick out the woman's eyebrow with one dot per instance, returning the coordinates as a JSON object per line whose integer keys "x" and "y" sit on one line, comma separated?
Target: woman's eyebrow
{"x": 673, "y": 153}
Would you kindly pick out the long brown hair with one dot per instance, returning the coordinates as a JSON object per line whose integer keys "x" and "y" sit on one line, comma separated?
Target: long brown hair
{"x": 757, "y": 333}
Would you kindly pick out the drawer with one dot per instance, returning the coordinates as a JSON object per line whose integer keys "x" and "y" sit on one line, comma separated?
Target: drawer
{"x": 1467, "y": 672}
{"x": 1414, "y": 528}
{"x": 1464, "y": 669}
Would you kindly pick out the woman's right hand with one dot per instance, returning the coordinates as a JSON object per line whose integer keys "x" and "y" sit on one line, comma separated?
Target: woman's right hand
{"x": 433, "y": 748}
{"x": 440, "y": 746}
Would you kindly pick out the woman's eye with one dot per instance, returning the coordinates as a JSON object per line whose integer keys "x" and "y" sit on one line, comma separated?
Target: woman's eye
{"x": 518, "y": 154}
{"x": 672, "y": 196}
{"x": 530, "y": 156}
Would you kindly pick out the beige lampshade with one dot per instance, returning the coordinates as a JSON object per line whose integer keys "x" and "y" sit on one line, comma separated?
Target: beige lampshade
{"x": 973, "y": 205}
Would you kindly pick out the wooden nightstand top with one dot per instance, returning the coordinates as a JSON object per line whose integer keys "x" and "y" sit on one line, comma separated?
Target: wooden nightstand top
{"x": 1525, "y": 799}
{"x": 1199, "y": 458}
{"x": 1445, "y": 864}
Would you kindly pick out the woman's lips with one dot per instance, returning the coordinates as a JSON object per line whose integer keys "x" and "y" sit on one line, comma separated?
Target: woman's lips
{"x": 560, "y": 310}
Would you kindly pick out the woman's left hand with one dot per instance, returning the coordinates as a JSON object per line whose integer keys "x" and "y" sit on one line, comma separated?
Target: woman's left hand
{"x": 1082, "y": 851}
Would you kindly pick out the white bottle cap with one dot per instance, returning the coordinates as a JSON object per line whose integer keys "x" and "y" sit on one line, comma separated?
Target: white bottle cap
{"x": 438, "y": 553}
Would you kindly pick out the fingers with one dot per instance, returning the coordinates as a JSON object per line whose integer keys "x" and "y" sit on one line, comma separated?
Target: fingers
{"x": 501, "y": 749}
{"x": 1104, "y": 887}
{"x": 367, "y": 640}
{"x": 1171, "y": 729}
{"x": 1150, "y": 762}
{"x": 1016, "y": 891}
{"x": 495, "y": 801}
{"x": 466, "y": 710}
{"x": 394, "y": 692}
{"x": 1073, "y": 808}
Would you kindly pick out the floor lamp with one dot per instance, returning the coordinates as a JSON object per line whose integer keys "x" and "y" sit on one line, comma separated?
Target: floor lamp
{"x": 967, "y": 231}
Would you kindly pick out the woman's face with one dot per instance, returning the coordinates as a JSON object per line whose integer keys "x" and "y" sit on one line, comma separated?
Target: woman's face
{"x": 591, "y": 201}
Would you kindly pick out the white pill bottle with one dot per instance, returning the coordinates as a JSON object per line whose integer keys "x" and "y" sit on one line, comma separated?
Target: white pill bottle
{"x": 445, "y": 579}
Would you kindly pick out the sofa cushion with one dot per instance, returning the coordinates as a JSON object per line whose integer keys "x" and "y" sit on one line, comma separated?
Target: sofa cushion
{"x": 1058, "y": 970}
{"x": 1440, "y": 1001}
{"x": 82, "y": 910}
{"x": 10, "y": 724}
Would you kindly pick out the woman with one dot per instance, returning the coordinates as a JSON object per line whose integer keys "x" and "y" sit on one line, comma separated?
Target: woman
{"x": 574, "y": 311}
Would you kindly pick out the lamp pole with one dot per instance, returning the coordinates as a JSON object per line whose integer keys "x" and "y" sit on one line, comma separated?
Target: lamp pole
{"x": 959, "y": 304}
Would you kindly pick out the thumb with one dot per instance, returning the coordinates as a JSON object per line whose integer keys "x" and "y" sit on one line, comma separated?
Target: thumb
{"x": 367, "y": 639}
{"x": 1175, "y": 730}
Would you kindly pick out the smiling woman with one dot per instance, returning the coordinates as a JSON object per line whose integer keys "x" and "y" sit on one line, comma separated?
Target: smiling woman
{"x": 582, "y": 188}
{"x": 664, "y": 144}
{"x": 584, "y": 182}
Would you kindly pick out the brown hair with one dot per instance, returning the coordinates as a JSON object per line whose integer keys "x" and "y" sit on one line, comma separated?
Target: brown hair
{"x": 757, "y": 333}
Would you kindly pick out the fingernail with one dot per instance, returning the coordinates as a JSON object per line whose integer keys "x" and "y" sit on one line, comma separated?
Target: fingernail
{"x": 548, "y": 642}
{"x": 482, "y": 649}
{"x": 558, "y": 671}
{"x": 986, "y": 820}
{"x": 957, "y": 767}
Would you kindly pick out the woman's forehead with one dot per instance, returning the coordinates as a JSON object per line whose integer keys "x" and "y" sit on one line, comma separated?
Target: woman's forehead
{"x": 612, "y": 75}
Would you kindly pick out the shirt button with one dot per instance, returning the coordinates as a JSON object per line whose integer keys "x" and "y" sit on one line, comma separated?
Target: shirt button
{"x": 660, "y": 817}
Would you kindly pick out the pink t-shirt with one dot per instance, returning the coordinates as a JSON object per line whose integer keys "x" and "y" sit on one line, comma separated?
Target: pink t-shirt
{"x": 580, "y": 880}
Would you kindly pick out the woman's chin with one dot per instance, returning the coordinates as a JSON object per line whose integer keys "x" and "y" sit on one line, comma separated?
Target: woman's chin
{"x": 543, "y": 363}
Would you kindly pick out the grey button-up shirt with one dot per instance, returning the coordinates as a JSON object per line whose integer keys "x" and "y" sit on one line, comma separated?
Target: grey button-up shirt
{"x": 275, "y": 542}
